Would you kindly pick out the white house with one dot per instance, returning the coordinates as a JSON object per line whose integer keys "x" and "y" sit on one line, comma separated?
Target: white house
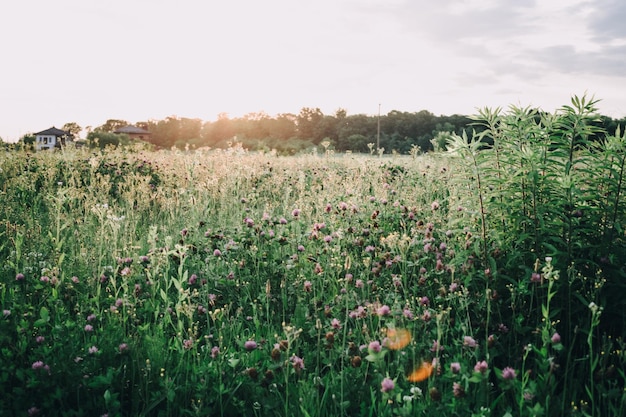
{"x": 51, "y": 138}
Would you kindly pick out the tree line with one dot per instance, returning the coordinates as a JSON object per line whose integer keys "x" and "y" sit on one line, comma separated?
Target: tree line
{"x": 289, "y": 133}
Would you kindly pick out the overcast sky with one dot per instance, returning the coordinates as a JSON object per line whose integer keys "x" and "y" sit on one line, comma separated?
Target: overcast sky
{"x": 87, "y": 61}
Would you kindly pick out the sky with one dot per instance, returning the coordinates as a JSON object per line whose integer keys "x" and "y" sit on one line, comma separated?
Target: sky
{"x": 86, "y": 61}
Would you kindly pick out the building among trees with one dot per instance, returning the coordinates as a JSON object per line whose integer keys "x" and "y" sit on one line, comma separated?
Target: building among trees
{"x": 52, "y": 138}
{"x": 134, "y": 132}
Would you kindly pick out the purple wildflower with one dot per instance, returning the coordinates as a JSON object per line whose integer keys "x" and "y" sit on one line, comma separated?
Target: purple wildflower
{"x": 383, "y": 310}
{"x": 509, "y": 373}
{"x": 481, "y": 367}
{"x": 455, "y": 367}
{"x": 192, "y": 279}
{"x": 297, "y": 362}
{"x": 387, "y": 385}
{"x": 469, "y": 341}
{"x": 374, "y": 346}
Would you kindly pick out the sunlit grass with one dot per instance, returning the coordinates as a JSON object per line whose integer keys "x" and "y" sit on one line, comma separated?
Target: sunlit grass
{"x": 230, "y": 283}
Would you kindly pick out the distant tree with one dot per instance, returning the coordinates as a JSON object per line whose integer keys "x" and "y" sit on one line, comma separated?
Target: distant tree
{"x": 308, "y": 121}
{"x": 102, "y": 139}
{"x": 220, "y": 132}
{"x": 282, "y": 127}
{"x": 73, "y": 128}
{"x": 355, "y": 143}
{"x": 341, "y": 113}
{"x": 359, "y": 124}
{"x": 111, "y": 125}
{"x": 28, "y": 139}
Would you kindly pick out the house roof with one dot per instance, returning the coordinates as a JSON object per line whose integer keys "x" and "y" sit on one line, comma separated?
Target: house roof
{"x": 131, "y": 130}
{"x": 53, "y": 131}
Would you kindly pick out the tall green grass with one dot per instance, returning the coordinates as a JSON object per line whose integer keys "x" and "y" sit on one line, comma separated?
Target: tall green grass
{"x": 234, "y": 283}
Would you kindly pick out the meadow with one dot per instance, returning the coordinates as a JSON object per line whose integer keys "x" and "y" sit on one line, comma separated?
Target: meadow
{"x": 485, "y": 280}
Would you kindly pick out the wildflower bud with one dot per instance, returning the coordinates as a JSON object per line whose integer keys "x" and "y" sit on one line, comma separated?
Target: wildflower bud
{"x": 458, "y": 390}
{"x": 356, "y": 361}
{"x": 435, "y": 394}
{"x": 253, "y": 373}
{"x": 455, "y": 367}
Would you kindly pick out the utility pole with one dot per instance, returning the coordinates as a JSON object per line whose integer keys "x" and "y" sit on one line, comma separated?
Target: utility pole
{"x": 378, "y": 132}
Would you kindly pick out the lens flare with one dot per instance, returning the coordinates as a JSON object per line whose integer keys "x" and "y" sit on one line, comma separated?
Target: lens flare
{"x": 397, "y": 339}
{"x": 423, "y": 372}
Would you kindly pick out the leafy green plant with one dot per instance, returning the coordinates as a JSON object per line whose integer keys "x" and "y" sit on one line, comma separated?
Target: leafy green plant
{"x": 226, "y": 282}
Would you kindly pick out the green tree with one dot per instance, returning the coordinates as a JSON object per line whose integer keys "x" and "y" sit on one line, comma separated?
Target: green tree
{"x": 73, "y": 128}
{"x": 308, "y": 121}
{"x": 102, "y": 139}
{"x": 359, "y": 124}
{"x": 111, "y": 125}
{"x": 282, "y": 127}
{"x": 28, "y": 139}
{"x": 220, "y": 132}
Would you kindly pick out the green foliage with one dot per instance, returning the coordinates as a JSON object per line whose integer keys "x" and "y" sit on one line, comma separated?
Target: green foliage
{"x": 547, "y": 190}
{"x": 28, "y": 139}
{"x": 225, "y": 282}
{"x": 73, "y": 128}
{"x": 111, "y": 125}
{"x": 102, "y": 139}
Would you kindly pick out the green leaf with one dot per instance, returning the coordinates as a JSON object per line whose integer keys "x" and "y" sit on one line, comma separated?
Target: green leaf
{"x": 44, "y": 314}
{"x": 107, "y": 397}
{"x": 476, "y": 377}
{"x": 171, "y": 395}
{"x": 177, "y": 284}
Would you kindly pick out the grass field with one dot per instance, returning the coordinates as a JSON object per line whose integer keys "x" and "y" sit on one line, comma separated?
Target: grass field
{"x": 487, "y": 280}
